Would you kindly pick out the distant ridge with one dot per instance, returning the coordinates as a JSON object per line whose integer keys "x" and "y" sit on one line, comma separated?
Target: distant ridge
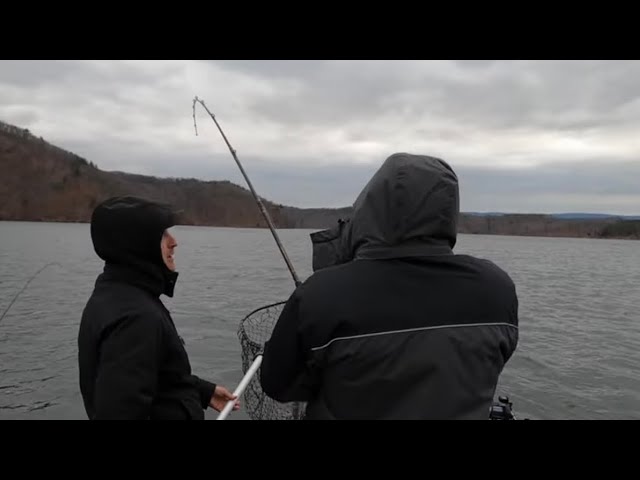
{"x": 582, "y": 216}
{"x": 563, "y": 216}
{"x": 42, "y": 182}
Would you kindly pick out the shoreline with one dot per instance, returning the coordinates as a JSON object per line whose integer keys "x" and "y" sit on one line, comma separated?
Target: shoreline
{"x": 244, "y": 227}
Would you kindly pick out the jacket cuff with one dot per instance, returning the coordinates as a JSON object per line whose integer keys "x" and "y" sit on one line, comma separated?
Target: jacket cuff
{"x": 206, "y": 390}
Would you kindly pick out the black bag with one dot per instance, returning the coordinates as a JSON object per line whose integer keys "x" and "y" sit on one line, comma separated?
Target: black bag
{"x": 331, "y": 246}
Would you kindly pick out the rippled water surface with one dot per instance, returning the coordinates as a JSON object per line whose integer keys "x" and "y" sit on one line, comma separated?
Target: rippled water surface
{"x": 578, "y": 356}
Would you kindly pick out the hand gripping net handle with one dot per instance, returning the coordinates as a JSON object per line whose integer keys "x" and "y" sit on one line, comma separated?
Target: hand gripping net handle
{"x": 255, "y": 330}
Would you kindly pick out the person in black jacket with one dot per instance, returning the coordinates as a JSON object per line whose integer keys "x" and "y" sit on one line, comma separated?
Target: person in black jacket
{"x": 397, "y": 326}
{"x": 132, "y": 362}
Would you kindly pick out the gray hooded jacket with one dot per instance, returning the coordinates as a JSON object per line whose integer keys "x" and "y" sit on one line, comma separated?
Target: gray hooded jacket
{"x": 399, "y": 327}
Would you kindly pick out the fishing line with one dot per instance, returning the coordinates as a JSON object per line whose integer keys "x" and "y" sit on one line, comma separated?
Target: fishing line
{"x": 25, "y": 287}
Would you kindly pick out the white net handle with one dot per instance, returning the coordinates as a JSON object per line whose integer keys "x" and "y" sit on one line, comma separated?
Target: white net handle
{"x": 241, "y": 387}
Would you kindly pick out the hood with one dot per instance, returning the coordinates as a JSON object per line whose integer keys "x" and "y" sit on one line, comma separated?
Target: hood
{"x": 410, "y": 207}
{"x": 126, "y": 233}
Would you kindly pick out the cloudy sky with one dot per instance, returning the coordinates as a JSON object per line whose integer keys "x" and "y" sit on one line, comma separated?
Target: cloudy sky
{"x": 523, "y": 136}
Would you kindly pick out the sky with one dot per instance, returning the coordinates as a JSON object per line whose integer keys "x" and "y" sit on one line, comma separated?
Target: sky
{"x": 523, "y": 136}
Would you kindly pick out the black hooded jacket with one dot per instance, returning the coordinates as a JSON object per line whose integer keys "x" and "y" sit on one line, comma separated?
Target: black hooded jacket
{"x": 132, "y": 362}
{"x": 401, "y": 328}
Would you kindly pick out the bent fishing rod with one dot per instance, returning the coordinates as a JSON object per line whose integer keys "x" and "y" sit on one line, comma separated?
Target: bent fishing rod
{"x": 258, "y": 360}
{"x": 264, "y": 211}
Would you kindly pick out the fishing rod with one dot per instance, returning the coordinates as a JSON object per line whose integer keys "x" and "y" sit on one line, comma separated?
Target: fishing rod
{"x": 265, "y": 214}
{"x": 258, "y": 360}
{"x": 24, "y": 288}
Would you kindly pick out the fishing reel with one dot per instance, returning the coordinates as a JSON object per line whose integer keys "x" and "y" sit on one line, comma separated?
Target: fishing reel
{"x": 502, "y": 409}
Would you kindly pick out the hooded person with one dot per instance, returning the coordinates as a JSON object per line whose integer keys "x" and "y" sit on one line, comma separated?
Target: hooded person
{"x": 132, "y": 362}
{"x": 392, "y": 324}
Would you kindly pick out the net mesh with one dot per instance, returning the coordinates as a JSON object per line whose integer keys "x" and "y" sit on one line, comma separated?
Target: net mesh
{"x": 255, "y": 330}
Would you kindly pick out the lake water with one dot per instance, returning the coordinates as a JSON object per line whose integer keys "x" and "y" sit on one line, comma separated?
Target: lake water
{"x": 578, "y": 356}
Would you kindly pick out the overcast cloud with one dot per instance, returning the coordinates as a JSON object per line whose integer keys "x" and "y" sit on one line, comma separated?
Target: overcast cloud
{"x": 524, "y": 136}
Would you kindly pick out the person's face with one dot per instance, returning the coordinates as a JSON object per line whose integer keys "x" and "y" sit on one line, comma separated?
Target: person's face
{"x": 167, "y": 245}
